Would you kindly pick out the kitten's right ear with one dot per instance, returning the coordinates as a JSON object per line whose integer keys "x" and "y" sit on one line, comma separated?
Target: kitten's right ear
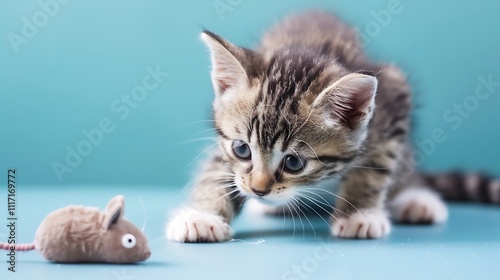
{"x": 349, "y": 101}
{"x": 228, "y": 60}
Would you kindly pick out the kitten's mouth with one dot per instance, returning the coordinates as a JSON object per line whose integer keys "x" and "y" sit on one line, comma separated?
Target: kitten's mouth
{"x": 267, "y": 199}
{"x": 271, "y": 200}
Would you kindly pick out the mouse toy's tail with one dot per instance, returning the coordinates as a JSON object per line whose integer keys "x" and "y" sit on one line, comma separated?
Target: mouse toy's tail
{"x": 17, "y": 247}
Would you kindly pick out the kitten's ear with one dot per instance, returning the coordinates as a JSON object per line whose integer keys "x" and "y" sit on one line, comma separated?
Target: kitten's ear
{"x": 349, "y": 101}
{"x": 228, "y": 63}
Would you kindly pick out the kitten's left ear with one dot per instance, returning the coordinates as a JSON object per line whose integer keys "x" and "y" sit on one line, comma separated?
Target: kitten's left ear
{"x": 349, "y": 101}
{"x": 232, "y": 66}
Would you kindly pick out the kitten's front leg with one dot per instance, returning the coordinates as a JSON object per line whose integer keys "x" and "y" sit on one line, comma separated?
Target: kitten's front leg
{"x": 211, "y": 207}
{"x": 363, "y": 191}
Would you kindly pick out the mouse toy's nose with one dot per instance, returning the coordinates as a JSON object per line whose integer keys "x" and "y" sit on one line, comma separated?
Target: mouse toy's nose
{"x": 147, "y": 254}
{"x": 260, "y": 193}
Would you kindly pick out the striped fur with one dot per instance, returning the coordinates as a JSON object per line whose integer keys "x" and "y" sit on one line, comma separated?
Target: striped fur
{"x": 309, "y": 91}
{"x": 458, "y": 186}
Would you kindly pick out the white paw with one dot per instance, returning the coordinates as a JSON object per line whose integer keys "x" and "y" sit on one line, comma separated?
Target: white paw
{"x": 418, "y": 205}
{"x": 363, "y": 224}
{"x": 192, "y": 225}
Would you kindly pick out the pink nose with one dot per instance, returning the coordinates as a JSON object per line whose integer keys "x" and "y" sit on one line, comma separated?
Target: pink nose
{"x": 146, "y": 256}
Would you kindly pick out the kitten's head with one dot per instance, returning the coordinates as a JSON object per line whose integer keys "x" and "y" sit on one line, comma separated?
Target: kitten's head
{"x": 288, "y": 120}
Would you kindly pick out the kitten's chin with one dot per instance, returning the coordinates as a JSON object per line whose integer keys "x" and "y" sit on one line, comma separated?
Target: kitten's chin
{"x": 270, "y": 201}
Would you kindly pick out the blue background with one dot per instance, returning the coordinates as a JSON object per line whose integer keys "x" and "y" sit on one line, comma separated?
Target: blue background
{"x": 65, "y": 78}
{"x": 91, "y": 53}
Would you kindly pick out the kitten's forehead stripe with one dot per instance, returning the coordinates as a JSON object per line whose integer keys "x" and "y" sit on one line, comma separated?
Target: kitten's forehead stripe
{"x": 288, "y": 78}
{"x": 221, "y": 133}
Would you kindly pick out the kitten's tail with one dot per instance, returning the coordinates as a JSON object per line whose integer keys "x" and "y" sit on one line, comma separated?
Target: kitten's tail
{"x": 458, "y": 186}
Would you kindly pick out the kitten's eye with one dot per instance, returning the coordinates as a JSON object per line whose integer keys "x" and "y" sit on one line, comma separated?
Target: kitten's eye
{"x": 242, "y": 150}
{"x": 128, "y": 241}
{"x": 294, "y": 164}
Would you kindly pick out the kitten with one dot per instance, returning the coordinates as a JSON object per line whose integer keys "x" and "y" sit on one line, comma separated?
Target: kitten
{"x": 304, "y": 111}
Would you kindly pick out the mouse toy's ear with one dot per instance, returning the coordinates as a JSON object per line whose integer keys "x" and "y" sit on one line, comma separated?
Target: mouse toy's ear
{"x": 114, "y": 211}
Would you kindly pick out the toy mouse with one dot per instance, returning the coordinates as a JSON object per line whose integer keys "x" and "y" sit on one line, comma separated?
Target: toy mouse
{"x": 84, "y": 234}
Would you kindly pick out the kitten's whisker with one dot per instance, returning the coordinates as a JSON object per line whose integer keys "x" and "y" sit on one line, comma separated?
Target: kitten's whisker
{"x": 236, "y": 196}
{"x": 300, "y": 219}
{"x": 222, "y": 161}
{"x": 335, "y": 209}
{"x": 298, "y": 206}
{"x": 199, "y": 139}
{"x": 338, "y": 196}
{"x": 225, "y": 195}
{"x": 321, "y": 207}
{"x": 201, "y": 177}
{"x": 195, "y": 122}
{"x": 204, "y": 176}
{"x": 221, "y": 187}
{"x": 314, "y": 210}
{"x": 204, "y": 131}
{"x": 293, "y": 219}
{"x": 204, "y": 151}
{"x": 326, "y": 203}
{"x": 284, "y": 220}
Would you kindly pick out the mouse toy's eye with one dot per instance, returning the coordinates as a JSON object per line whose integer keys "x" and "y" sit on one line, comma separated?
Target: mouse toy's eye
{"x": 128, "y": 241}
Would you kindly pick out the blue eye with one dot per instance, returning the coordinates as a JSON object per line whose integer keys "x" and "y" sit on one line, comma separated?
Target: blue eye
{"x": 242, "y": 150}
{"x": 294, "y": 164}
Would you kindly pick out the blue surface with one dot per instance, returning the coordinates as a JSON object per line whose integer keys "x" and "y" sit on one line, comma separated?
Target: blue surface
{"x": 467, "y": 247}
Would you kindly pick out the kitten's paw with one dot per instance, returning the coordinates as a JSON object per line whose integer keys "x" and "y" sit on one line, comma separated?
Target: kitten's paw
{"x": 363, "y": 224}
{"x": 192, "y": 225}
{"x": 418, "y": 205}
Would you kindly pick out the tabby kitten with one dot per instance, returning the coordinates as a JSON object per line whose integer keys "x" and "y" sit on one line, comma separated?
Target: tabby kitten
{"x": 303, "y": 114}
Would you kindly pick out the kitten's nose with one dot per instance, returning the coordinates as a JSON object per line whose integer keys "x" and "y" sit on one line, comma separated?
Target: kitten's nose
{"x": 260, "y": 193}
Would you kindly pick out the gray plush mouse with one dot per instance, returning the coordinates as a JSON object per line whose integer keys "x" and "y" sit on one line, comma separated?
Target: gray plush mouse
{"x": 76, "y": 234}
